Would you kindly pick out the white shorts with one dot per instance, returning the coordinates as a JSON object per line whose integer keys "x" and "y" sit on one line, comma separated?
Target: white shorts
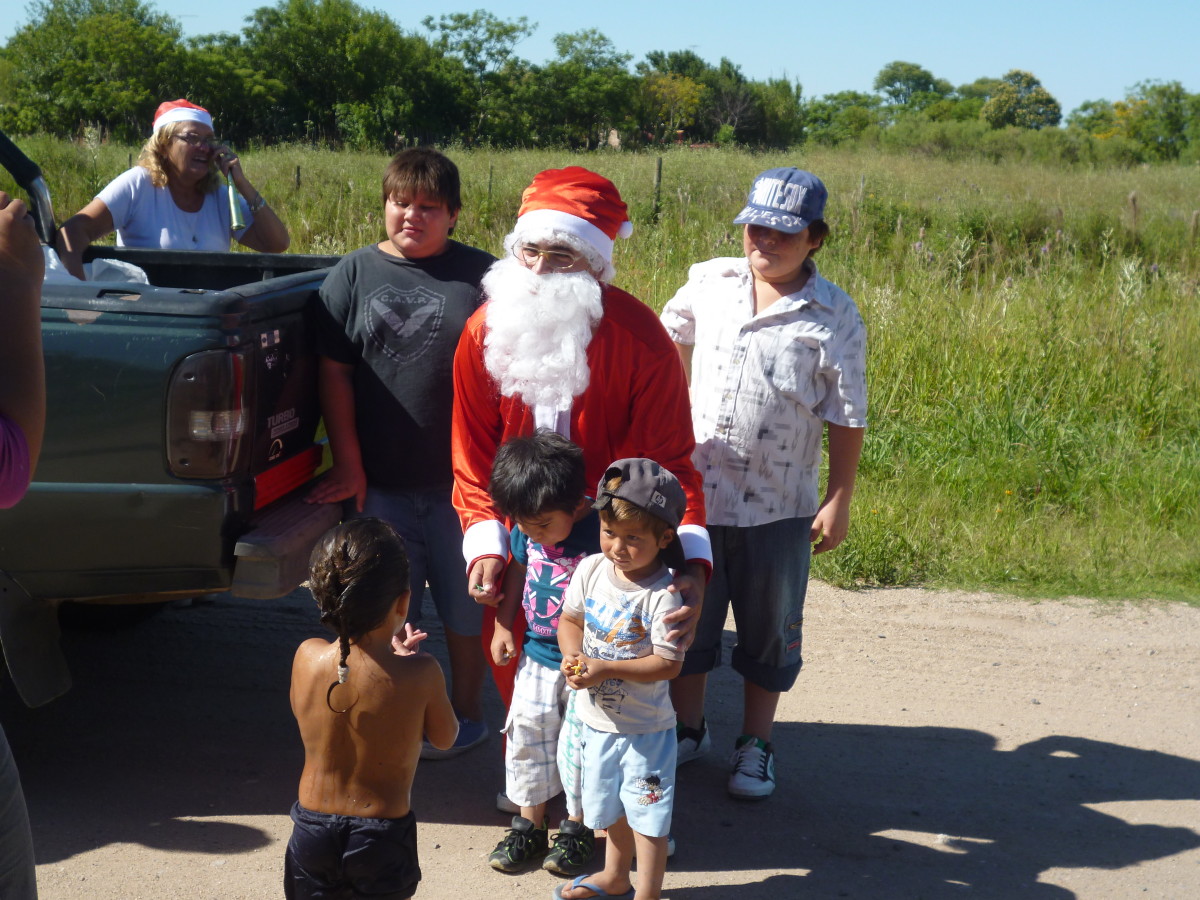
{"x": 630, "y": 775}
{"x": 542, "y": 740}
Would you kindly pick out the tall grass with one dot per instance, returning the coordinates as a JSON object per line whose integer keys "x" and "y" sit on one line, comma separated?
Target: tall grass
{"x": 1034, "y": 339}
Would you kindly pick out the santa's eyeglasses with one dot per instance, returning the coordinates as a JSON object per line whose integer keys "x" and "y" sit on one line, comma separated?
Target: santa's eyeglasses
{"x": 556, "y": 260}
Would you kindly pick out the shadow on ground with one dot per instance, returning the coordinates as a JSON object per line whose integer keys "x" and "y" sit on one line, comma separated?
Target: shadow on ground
{"x": 184, "y": 719}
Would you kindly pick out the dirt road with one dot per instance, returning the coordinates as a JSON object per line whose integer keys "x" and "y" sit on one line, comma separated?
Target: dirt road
{"x": 937, "y": 745}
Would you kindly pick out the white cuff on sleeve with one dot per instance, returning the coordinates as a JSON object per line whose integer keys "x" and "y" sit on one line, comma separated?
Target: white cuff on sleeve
{"x": 488, "y": 538}
{"x": 696, "y": 544}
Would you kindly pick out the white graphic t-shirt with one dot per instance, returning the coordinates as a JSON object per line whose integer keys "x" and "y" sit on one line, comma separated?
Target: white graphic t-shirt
{"x": 623, "y": 620}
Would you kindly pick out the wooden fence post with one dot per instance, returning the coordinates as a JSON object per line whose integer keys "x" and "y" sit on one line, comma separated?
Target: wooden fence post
{"x": 657, "y": 187}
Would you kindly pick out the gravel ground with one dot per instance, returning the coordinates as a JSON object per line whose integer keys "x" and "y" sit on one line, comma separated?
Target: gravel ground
{"x": 936, "y": 745}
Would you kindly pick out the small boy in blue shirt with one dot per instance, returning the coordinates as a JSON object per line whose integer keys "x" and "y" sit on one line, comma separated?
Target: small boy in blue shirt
{"x": 539, "y": 482}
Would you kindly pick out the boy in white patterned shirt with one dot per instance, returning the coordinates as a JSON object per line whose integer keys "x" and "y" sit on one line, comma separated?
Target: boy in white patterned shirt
{"x": 776, "y": 356}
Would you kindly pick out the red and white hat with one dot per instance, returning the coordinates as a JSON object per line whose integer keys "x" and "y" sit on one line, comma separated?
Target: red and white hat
{"x": 180, "y": 111}
{"x": 576, "y": 204}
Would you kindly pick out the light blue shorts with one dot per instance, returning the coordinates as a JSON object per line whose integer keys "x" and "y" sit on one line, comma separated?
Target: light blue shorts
{"x": 630, "y": 775}
{"x": 433, "y": 537}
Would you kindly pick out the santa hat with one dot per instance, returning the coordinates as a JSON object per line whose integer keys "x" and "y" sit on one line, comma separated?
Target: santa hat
{"x": 180, "y": 111}
{"x": 573, "y": 203}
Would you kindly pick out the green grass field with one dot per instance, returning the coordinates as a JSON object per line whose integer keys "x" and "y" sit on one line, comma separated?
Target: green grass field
{"x": 1035, "y": 339}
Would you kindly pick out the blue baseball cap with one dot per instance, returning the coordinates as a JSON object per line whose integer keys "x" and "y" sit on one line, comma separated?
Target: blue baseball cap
{"x": 785, "y": 199}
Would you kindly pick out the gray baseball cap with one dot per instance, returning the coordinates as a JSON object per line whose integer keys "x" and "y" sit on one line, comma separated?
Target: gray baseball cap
{"x": 652, "y": 489}
{"x": 785, "y": 199}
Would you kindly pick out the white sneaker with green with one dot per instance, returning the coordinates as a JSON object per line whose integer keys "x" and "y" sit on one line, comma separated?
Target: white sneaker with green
{"x": 752, "y": 768}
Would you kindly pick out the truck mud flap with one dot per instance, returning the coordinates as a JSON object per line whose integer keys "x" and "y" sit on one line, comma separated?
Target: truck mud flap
{"x": 29, "y": 634}
{"x": 272, "y": 558}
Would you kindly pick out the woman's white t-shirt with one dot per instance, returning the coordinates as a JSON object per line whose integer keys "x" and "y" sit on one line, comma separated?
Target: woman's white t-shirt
{"x": 146, "y": 216}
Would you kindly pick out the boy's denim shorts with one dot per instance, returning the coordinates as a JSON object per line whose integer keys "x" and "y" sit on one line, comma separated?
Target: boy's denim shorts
{"x": 761, "y": 571}
{"x": 432, "y": 534}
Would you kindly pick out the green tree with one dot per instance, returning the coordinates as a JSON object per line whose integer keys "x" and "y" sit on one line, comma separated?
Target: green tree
{"x": 729, "y": 103}
{"x": 485, "y": 44}
{"x": 901, "y": 82}
{"x": 350, "y": 74}
{"x": 980, "y": 89}
{"x": 782, "y": 111}
{"x": 670, "y": 103}
{"x": 1095, "y": 117}
{"x": 584, "y": 92}
{"x": 1160, "y": 123}
{"x": 685, "y": 63}
{"x": 1021, "y": 100}
{"x": 217, "y": 74}
{"x": 104, "y": 62}
{"x": 840, "y": 117}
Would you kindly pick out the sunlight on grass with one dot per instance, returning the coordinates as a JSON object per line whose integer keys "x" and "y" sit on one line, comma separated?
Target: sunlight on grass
{"x": 1034, "y": 337}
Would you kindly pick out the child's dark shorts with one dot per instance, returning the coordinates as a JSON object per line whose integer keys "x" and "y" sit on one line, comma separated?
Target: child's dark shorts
{"x": 761, "y": 571}
{"x": 331, "y": 856}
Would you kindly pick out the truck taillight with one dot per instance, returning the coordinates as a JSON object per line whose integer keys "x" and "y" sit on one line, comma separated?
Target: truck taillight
{"x": 206, "y": 415}
{"x": 217, "y": 425}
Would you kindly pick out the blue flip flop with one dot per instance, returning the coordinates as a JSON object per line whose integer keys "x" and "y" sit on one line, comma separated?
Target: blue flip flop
{"x": 595, "y": 889}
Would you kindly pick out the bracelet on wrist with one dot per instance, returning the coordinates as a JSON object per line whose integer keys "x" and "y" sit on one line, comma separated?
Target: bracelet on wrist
{"x": 257, "y": 203}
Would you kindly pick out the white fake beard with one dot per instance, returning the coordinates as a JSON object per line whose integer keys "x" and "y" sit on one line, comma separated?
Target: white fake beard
{"x": 539, "y": 328}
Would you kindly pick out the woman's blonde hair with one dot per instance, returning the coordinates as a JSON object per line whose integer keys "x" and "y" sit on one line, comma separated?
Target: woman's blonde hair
{"x": 153, "y": 159}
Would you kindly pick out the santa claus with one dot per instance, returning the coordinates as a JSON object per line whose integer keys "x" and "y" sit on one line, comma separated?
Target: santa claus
{"x": 557, "y": 346}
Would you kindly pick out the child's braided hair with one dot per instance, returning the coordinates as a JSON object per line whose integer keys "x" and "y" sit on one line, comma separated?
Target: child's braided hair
{"x": 356, "y": 572}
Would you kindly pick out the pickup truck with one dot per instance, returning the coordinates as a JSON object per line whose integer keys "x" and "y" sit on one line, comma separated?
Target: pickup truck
{"x": 180, "y": 440}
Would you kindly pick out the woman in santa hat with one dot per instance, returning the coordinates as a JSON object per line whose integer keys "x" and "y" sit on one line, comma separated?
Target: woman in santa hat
{"x": 173, "y": 198}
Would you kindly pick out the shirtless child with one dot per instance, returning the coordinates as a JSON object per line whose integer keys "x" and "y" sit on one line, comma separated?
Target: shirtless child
{"x": 363, "y": 702}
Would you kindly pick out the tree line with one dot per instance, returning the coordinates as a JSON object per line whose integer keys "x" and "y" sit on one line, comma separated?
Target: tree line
{"x": 333, "y": 72}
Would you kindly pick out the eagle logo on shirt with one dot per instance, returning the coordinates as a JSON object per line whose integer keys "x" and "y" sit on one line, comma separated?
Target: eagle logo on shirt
{"x": 403, "y": 324}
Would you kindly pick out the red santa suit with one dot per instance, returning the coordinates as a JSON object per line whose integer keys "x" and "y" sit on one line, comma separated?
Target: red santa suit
{"x": 636, "y": 404}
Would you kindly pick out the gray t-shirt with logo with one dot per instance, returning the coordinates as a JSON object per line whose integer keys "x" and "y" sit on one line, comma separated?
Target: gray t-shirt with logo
{"x": 398, "y": 322}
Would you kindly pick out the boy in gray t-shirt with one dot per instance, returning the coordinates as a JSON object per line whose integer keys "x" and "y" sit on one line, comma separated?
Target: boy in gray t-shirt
{"x": 387, "y": 322}
{"x": 616, "y": 654}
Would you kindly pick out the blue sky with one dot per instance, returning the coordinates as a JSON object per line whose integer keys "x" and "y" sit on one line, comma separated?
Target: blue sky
{"x": 1080, "y": 51}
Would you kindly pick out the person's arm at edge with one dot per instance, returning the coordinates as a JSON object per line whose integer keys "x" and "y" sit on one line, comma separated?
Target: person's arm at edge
{"x": 503, "y": 650}
{"x": 644, "y": 669}
{"x": 475, "y": 436}
{"x": 668, "y": 384}
{"x": 685, "y": 357}
{"x": 22, "y": 370}
{"x": 441, "y": 722}
{"x": 570, "y": 640}
{"x": 267, "y": 233}
{"x": 832, "y": 521}
{"x": 335, "y": 388}
{"x": 84, "y": 228}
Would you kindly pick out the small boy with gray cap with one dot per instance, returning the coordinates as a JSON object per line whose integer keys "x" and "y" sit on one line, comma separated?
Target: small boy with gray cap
{"x": 776, "y": 357}
{"x": 616, "y": 654}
